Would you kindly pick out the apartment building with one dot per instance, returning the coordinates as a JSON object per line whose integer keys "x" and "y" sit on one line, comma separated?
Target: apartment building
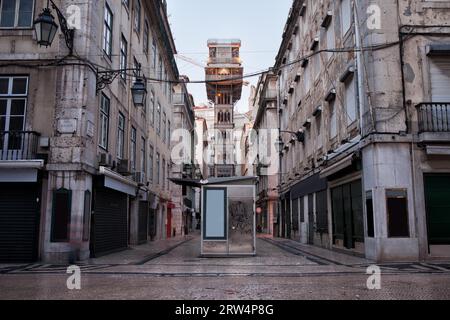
{"x": 371, "y": 175}
{"x": 266, "y": 162}
{"x": 183, "y": 165}
{"x": 84, "y": 165}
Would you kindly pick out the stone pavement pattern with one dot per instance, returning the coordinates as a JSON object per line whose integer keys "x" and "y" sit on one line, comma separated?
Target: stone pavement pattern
{"x": 283, "y": 269}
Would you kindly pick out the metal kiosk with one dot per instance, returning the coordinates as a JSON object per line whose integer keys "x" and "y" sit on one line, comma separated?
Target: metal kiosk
{"x": 228, "y": 217}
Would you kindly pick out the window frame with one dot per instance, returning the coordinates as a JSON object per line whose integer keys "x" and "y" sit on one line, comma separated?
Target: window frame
{"x": 104, "y": 115}
{"x": 108, "y": 49}
{"x": 16, "y": 16}
{"x": 121, "y": 136}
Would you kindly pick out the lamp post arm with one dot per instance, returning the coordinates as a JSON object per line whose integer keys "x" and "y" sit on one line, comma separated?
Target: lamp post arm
{"x": 105, "y": 78}
{"x": 67, "y": 32}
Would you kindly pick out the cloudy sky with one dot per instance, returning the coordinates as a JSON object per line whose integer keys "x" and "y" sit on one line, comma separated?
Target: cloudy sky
{"x": 258, "y": 23}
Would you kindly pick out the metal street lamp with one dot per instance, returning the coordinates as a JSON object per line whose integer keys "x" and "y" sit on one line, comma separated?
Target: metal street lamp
{"x": 45, "y": 28}
{"x": 139, "y": 92}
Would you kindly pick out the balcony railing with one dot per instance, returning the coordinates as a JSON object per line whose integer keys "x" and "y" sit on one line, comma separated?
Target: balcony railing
{"x": 18, "y": 145}
{"x": 434, "y": 117}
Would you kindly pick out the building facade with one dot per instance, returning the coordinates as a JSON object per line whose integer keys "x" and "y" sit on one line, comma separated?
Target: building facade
{"x": 183, "y": 162}
{"x": 371, "y": 175}
{"x": 265, "y": 111}
{"x": 81, "y": 164}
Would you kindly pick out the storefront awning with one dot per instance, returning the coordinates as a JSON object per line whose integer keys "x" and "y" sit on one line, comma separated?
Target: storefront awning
{"x": 336, "y": 167}
{"x": 20, "y": 171}
{"x": 119, "y": 183}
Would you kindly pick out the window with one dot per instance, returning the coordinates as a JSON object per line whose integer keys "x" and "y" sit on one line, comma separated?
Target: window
{"x": 397, "y": 211}
{"x": 331, "y": 43}
{"x": 152, "y": 108}
{"x": 62, "y": 203}
{"x": 319, "y": 131}
{"x": 150, "y": 164}
{"x": 168, "y": 175}
{"x": 146, "y": 37}
{"x": 440, "y": 79}
{"x": 105, "y": 105}
{"x": 16, "y": 13}
{"x": 333, "y": 119}
{"x": 143, "y": 155}
{"x": 123, "y": 56}
{"x": 13, "y": 103}
{"x": 107, "y": 31}
{"x": 164, "y": 174}
{"x": 160, "y": 70}
{"x": 158, "y": 119}
{"x": 154, "y": 54}
{"x": 316, "y": 64}
{"x": 169, "y": 133}
{"x": 121, "y": 137}
{"x": 137, "y": 16}
{"x": 346, "y": 15}
{"x": 164, "y": 132}
{"x": 158, "y": 168}
{"x": 133, "y": 149}
{"x": 306, "y": 79}
{"x": 350, "y": 101}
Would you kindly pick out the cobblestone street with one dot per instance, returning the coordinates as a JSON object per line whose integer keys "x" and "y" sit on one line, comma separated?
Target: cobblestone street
{"x": 282, "y": 269}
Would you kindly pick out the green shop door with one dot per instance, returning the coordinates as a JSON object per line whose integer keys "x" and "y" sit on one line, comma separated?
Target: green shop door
{"x": 437, "y": 195}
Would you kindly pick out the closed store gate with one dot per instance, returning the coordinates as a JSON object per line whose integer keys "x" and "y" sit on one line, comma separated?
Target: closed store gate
{"x": 437, "y": 192}
{"x": 19, "y": 222}
{"x": 109, "y": 222}
{"x": 143, "y": 221}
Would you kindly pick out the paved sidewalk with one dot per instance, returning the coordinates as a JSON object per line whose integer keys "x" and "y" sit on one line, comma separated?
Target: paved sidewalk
{"x": 321, "y": 254}
{"x": 137, "y": 255}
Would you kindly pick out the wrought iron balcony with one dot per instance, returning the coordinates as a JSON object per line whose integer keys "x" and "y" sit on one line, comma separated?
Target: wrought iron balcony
{"x": 18, "y": 145}
{"x": 434, "y": 117}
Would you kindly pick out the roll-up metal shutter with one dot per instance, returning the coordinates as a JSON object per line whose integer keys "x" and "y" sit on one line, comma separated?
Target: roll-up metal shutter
{"x": 19, "y": 222}
{"x": 440, "y": 79}
{"x": 109, "y": 222}
{"x": 143, "y": 221}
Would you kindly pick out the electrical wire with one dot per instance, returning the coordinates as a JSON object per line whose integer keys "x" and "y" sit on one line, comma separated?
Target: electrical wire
{"x": 94, "y": 67}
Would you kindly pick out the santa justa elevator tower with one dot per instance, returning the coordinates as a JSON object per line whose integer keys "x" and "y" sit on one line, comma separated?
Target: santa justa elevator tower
{"x": 224, "y": 82}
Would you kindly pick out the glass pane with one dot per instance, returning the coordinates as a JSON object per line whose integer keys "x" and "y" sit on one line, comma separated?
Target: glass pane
{"x": 2, "y": 124}
{"x": 3, "y": 104}
{"x": 16, "y": 124}
{"x": 25, "y": 13}
{"x": 20, "y": 86}
{"x": 4, "y": 82}
{"x": 8, "y": 13}
{"x": 215, "y": 214}
{"x": 18, "y": 107}
{"x": 242, "y": 224}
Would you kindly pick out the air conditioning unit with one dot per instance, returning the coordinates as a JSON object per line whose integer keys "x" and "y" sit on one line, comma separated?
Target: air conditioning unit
{"x": 123, "y": 167}
{"x": 139, "y": 178}
{"x": 105, "y": 160}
